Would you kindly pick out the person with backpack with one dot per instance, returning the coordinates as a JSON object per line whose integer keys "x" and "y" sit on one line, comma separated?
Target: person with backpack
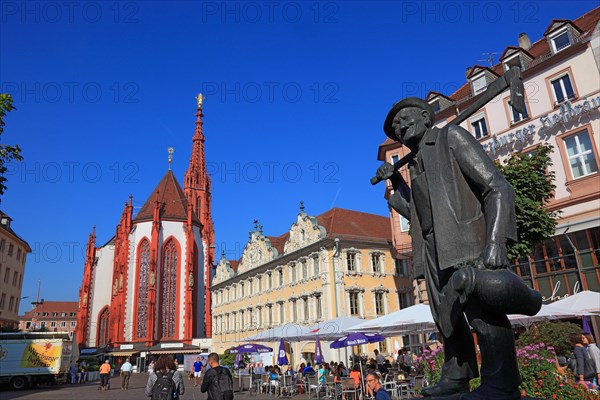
{"x": 165, "y": 382}
{"x": 217, "y": 380}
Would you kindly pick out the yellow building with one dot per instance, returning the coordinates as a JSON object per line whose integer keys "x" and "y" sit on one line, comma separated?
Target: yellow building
{"x": 333, "y": 265}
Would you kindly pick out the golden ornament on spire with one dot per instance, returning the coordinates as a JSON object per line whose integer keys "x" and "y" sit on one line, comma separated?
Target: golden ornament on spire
{"x": 199, "y": 99}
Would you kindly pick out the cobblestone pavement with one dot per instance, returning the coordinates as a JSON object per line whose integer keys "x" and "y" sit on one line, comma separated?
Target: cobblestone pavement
{"x": 137, "y": 384}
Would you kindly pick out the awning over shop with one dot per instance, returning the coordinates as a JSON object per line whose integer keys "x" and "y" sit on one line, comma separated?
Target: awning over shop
{"x": 123, "y": 353}
{"x": 174, "y": 348}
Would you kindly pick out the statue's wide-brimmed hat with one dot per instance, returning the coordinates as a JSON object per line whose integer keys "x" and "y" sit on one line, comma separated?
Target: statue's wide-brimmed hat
{"x": 404, "y": 103}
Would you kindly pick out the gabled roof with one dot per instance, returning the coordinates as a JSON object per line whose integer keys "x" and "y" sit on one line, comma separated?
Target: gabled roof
{"x": 510, "y": 50}
{"x": 432, "y": 94}
{"x": 172, "y": 198}
{"x": 559, "y": 23}
{"x": 479, "y": 68}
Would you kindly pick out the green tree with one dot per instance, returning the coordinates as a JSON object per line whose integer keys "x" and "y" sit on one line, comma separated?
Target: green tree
{"x": 533, "y": 182}
{"x": 8, "y": 153}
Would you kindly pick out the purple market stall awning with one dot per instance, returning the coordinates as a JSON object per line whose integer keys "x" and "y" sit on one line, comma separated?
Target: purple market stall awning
{"x": 356, "y": 339}
{"x": 250, "y": 348}
{"x": 318, "y": 352}
{"x": 281, "y": 355}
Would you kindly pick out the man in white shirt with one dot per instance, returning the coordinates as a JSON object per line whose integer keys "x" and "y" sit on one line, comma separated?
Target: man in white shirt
{"x": 125, "y": 374}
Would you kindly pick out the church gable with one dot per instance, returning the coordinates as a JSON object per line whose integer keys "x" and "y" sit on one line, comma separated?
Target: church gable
{"x": 303, "y": 232}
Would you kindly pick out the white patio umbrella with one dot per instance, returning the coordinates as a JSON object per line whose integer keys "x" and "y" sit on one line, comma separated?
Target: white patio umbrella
{"x": 331, "y": 329}
{"x": 547, "y": 312}
{"x": 413, "y": 319}
{"x": 582, "y": 303}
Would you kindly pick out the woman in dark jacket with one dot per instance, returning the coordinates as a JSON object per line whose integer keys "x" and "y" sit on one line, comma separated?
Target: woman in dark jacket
{"x": 164, "y": 365}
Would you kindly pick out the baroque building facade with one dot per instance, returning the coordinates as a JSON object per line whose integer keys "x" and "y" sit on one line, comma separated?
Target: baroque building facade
{"x": 150, "y": 282}
{"x": 561, "y": 76}
{"x": 337, "y": 264}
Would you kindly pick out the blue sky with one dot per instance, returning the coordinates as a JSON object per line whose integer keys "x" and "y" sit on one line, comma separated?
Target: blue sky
{"x": 295, "y": 97}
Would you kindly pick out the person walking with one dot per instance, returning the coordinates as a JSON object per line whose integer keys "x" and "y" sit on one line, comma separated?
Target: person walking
{"x": 594, "y": 353}
{"x": 73, "y": 372}
{"x": 165, "y": 376}
{"x": 104, "y": 375}
{"x": 584, "y": 371}
{"x": 125, "y": 374}
{"x": 374, "y": 384}
{"x": 197, "y": 370}
{"x": 217, "y": 380}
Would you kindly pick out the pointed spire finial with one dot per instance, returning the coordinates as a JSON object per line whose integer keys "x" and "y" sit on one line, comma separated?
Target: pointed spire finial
{"x": 222, "y": 254}
{"x": 170, "y": 150}
{"x": 301, "y": 206}
{"x": 255, "y": 224}
{"x": 199, "y": 99}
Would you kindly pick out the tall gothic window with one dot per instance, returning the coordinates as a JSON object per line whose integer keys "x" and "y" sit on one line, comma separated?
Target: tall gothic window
{"x": 142, "y": 292}
{"x": 103, "y": 328}
{"x": 168, "y": 289}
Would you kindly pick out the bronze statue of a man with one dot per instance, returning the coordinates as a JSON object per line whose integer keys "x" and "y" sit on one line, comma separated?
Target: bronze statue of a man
{"x": 462, "y": 214}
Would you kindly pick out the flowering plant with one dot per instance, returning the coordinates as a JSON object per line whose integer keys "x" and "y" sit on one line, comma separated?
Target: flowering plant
{"x": 539, "y": 371}
{"x": 541, "y": 377}
{"x": 430, "y": 364}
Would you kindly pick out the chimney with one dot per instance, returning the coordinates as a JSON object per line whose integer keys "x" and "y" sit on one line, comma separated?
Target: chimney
{"x": 524, "y": 41}
{"x": 468, "y": 71}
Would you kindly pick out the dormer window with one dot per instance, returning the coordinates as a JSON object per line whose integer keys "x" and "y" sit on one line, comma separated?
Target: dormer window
{"x": 514, "y": 61}
{"x": 479, "y": 84}
{"x": 561, "y": 40}
{"x": 436, "y": 106}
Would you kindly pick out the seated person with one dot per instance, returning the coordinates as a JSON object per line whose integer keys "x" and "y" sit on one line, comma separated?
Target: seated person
{"x": 309, "y": 370}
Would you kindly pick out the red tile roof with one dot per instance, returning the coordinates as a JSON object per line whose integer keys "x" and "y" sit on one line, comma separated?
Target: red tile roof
{"x": 172, "y": 198}
{"x": 355, "y": 224}
{"x": 54, "y": 306}
{"x": 279, "y": 241}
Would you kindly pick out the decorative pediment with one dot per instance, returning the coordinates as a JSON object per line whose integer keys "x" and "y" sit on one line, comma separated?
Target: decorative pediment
{"x": 303, "y": 232}
{"x": 224, "y": 272}
{"x": 258, "y": 251}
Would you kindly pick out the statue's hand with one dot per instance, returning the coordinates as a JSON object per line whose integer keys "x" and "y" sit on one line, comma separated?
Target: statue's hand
{"x": 386, "y": 171}
{"x": 494, "y": 255}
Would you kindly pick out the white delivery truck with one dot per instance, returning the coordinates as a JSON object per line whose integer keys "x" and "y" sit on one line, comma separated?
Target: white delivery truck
{"x": 28, "y": 358}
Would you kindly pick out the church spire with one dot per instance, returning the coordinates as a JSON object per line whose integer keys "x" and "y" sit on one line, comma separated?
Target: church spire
{"x": 197, "y": 190}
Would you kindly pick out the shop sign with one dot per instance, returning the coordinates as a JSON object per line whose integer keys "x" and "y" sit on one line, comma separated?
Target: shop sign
{"x": 567, "y": 113}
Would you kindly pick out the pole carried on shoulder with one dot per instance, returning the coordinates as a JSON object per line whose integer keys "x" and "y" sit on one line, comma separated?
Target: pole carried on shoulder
{"x": 511, "y": 79}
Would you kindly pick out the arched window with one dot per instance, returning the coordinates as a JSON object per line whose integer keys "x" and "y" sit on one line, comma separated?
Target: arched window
{"x": 103, "y": 327}
{"x": 142, "y": 290}
{"x": 168, "y": 289}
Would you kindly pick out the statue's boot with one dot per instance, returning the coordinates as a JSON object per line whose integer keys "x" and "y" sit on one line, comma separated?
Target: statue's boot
{"x": 445, "y": 387}
{"x": 500, "y": 378}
